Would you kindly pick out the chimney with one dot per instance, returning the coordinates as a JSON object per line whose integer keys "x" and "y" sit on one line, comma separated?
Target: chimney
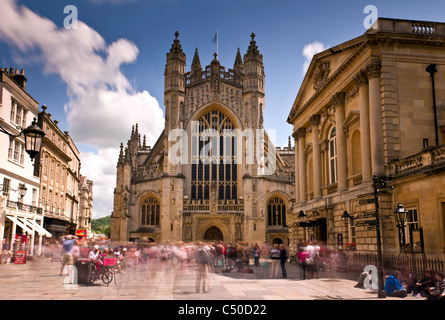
{"x": 19, "y": 78}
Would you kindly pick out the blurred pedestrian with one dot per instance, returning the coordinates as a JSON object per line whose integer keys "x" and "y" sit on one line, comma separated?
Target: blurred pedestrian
{"x": 68, "y": 242}
{"x": 275, "y": 258}
{"x": 303, "y": 256}
{"x": 256, "y": 254}
{"x": 203, "y": 261}
{"x": 283, "y": 259}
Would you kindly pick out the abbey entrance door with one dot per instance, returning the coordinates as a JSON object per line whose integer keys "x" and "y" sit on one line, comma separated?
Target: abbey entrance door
{"x": 213, "y": 234}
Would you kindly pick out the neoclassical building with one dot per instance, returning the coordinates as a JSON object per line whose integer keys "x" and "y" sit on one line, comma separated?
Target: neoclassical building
{"x": 365, "y": 107}
{"x": 213, "y": 174}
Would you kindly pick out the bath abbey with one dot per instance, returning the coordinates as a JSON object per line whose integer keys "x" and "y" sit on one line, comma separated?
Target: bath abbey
{"x": 213, "y": 173}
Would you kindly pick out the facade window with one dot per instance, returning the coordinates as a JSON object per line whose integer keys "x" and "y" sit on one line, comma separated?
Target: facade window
{"x": 276, "y": 212}
{"x": 412, "y": 223}
{"x": 332, "y": 156}
{"x": 18, "y": 114}
{"x": 16, "y": 151}
{"x": 51, "y": 175}
{"x": 6, "y": 185}
{"x": 34, "y": 197}
{"x": 45, "y": 165}
{"x": 150, "y": 212}
{"x": 217, "y": 171}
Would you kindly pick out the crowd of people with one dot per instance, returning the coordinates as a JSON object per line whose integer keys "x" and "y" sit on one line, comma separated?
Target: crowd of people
{"x": 223, "y": 257}
{"x": 403, "y": 283}
{"x": 210, "y": 257}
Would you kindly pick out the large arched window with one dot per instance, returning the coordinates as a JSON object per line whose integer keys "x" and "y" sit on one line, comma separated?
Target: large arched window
{"x": 276, "y": 212}
{"x": 332, "y": 156}
{"x": 150, "y": 212}
{"x": 213, "y": 157}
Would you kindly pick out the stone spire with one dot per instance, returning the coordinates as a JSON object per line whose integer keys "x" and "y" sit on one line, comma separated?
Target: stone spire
{"x": 238, "y": 66}
{"x": 238, "y": 59}
{"x": 196, "y": 64}
{"x": 120, "y": 162}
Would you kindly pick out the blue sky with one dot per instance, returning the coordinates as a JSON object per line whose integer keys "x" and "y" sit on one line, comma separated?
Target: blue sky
{"x": 139, "y": 33}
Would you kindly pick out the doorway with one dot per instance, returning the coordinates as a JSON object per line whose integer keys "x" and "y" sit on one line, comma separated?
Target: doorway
{"x": 213, "y": 234}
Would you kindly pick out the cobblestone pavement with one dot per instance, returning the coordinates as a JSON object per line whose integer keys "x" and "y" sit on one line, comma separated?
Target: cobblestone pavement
{"x": 39, "y": 280}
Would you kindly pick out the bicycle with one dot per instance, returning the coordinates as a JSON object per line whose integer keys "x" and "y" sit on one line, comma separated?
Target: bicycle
{"x": 106, "y": 273}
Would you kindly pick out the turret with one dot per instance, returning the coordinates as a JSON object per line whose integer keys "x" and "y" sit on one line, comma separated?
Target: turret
{"x": 253, "y": 68}
{"x": 175, "y": 68}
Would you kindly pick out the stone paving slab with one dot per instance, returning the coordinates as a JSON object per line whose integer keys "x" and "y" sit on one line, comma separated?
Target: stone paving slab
{"x": 39, "y": 280}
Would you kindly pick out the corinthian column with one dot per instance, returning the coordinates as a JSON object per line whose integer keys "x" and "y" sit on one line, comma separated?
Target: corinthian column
{"x": 297, "y": 170}
{"x": 301, "y": 132}
{"x": 315, "y": 121}
{"x": 338, "y": 101}
{"x": 375, "y": 118}
{"x": 365, "y": 144}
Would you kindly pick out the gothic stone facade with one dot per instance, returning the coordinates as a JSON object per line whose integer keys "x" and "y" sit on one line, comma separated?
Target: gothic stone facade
{"x": 365, "y": 108}
{"x": 160, "y": 199}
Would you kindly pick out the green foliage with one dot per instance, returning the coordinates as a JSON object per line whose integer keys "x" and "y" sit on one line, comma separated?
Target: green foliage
{"x": 101, "y": 225}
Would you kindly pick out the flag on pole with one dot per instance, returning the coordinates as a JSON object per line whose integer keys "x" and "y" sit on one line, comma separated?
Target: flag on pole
{"x": 215, "y": 40}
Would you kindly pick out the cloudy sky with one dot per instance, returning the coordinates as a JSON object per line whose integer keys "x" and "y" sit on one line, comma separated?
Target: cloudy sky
{"x": 106, "y": 74}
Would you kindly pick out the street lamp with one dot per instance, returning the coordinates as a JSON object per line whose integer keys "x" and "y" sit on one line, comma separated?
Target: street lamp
{"x": 346, "y": 217}
{"x": 33, "y": 138}
{"x": 400, "y": 216}
{"x": 302, "y": 217}
{"x": 22, "y": 190}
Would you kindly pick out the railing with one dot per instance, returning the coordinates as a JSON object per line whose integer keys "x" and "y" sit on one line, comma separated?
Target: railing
{"x": 152, "y": 171}
{"x": 430, "y": 157}
{"x": 23, "y": 207}
{"x": 222, "y": 206}
{"x": 423, "y": 28}
{"x": 228, "y": 76}
{"x": 415, "y": 264}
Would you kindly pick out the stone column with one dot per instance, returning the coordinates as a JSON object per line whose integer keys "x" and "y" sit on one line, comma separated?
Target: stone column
{"x": 315, "y": 121}
{"x": 375, "y": 118}
{"x": 297, "y": 171}
{"x": 338, "y": 101}
{"x": 362, "y": 81}
{"x": 301, "y": 132}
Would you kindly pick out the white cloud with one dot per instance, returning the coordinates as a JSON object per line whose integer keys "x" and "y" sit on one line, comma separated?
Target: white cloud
{"x": 309, "y": 50}
{"x": 100, "y": 168}
{"x": 102, "y": 104}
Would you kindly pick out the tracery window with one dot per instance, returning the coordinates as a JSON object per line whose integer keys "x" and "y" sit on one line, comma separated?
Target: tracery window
{"x": 213, "y": 138}
{"x": 276, "y": 212}
{"x": 150, "y": 212}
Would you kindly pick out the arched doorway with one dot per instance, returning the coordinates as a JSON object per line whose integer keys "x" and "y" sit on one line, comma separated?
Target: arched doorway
{"x": 277, "y": 241}
{"x": 213, "y": 234}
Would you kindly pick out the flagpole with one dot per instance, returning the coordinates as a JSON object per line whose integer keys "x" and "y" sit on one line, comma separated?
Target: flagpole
{"x": 217, "y": 42}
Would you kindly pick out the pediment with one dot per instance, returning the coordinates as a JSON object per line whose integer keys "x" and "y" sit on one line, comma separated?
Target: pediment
{"x": 324, "y": 66}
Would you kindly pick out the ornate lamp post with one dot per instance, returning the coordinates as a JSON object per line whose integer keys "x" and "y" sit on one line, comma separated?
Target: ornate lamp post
{"x": 400, "y": 216}
{"x": 33, "y": 138}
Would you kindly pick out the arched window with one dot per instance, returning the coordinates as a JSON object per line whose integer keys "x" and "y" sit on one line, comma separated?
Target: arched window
{"x": 276, "y": 212}
{"x": 332, "y": 156}
{"x": 150, "y": 212}
{"x": 213, "y": 157}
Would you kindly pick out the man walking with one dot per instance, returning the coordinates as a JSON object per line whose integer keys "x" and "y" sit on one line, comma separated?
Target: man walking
{"x": 68, "y": 242}
{"x": 283, "y": 259}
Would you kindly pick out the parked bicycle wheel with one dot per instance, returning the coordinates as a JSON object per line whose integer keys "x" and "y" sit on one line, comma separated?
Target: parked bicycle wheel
{"x": 107, "y": 276}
